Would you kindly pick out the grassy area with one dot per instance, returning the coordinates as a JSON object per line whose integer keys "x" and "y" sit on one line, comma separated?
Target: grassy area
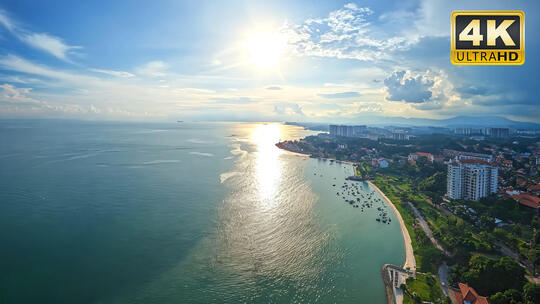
{"x": 426, "y": 255}
{"x": 464, "y": 233}
{"x": 424, "y": 288}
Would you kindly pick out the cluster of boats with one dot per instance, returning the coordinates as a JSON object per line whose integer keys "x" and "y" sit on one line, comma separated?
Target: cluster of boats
{"x": 362, "y": 200}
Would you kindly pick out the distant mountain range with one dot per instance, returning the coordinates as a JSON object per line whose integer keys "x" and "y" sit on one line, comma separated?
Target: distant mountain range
{"x": 458, "y": 121}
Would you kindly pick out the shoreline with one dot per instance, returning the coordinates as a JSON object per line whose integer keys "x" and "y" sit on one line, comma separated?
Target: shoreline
{"x": 410, "y": 262}
{"x": 409, "y": 266}
{"x": 315, "y": 157}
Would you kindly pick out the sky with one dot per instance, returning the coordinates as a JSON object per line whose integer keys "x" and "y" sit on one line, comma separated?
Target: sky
{"x": 327, "y": 61}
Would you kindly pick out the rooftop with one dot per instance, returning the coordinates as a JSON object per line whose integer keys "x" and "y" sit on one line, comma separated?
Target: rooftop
{"x": 534, "y": 187}
{"x": 467, "y": 294}
{"x": 527, "y": 200}
{"x": 476, "y": 161}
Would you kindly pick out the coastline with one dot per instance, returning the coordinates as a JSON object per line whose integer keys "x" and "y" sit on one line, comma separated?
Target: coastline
{"x": 392, "y": 275}
{"x": 309, "y": 155}
{"x": 410, "y": 262}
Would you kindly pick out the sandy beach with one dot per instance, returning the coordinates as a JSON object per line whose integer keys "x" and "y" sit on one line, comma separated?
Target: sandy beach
{"x": 410, "y": 262}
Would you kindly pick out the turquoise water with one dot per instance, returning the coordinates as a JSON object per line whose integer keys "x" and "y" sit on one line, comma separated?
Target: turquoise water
{"x": 95, "y": 212}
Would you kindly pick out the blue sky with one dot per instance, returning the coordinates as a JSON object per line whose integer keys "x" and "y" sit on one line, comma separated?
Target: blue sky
{"x": 253, "y": 60}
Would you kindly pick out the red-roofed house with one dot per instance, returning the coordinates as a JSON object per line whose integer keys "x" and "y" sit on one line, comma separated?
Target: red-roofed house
{"x": 528, "y": 200}
{"x": 467, "y": 295}
{"x": 414, "y": 156}
{"x": 534, "y": 189}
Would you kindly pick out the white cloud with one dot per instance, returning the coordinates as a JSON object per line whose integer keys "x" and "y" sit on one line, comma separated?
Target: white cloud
{"x": 21, "y": 65}
{"x": 348, "y": 94}
{"x": 45, "y": 42}
{"x": 6, "y": 21}
{"x": 408, "y": 87}
{"x": 288, "y": 109}
{"x": 370, "y": 107}
{"x": 53, "y": 45}
{"x": 152, "y": 69}
{"x": 12, "y": 94}
{"x": 114, "y": 73}
{"x": 344, "y": 33}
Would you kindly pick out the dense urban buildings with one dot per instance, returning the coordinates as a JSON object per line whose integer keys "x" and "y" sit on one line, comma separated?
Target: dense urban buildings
{"x": 471, "y": 178}
{"x": 492, "y": 132}
{"x": 399, "y": 135}
{"x": 347, "y": 131}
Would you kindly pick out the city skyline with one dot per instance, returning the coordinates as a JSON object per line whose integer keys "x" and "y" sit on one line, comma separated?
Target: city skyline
{"x": 268, "y": 61}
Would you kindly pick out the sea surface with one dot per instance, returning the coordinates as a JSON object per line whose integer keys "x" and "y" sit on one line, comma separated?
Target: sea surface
{"x": 109, "y": 212}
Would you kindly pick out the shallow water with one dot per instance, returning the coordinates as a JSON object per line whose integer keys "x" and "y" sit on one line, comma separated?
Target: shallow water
{"x": 186, "y": 213}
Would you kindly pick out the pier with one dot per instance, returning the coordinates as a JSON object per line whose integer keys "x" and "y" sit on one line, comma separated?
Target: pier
{"x": 393, "y": 276}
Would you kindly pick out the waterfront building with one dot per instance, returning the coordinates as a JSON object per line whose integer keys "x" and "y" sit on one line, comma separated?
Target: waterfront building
{"x": 471, "y": 179}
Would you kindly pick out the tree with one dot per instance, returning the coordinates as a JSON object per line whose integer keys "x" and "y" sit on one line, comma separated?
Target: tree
{"x": 534, "y": 257}
{"x": 509, "y": 296}
{"x": 531, "y": 293}
{"x": 489, "y": 276}
{"x": 534, "y": 222}
{"x": 435, "y": 183}
{"x": 421, "y": 236}
{"x": 430, "y": 280}
{"x": 517, "y": 229}
{"x": 416, "y": 298}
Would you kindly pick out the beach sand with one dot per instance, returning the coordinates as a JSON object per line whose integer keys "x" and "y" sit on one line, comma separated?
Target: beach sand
{"x": 410, "y": 262}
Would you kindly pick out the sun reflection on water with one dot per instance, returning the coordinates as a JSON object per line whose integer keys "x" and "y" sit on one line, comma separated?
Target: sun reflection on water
{"x": 268, "y": 165}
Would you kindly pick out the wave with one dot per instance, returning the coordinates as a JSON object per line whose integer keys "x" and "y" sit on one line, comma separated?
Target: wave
{"x": 201, "y": 153}
{"x": 198, "y": 141}
{"x": 225, "y": 176}
{"x": 237, "y": 150}
{"x": 161, "y": 161}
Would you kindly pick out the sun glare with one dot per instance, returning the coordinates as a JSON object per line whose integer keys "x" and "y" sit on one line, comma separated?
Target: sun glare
{"x": 265, "y": 136}
{"x": 266, "y": 50}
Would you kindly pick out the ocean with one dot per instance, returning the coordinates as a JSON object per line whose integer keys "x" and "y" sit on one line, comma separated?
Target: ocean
{"x": 121, "y": 212}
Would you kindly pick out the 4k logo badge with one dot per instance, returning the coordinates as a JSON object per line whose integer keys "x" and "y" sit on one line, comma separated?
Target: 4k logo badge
{"x": 488, "y": 37}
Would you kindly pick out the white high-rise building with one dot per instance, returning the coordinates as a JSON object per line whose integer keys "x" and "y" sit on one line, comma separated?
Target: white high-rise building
{"x": 347, "y": 131}
{"x": 471, "y": 179}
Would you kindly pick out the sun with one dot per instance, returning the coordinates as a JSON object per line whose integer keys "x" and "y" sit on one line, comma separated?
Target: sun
{"x": 266, "y": 50}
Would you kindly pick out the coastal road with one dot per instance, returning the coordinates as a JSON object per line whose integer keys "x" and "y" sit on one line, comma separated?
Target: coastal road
{"x": 444, "y": 272}
{"x": 427, "y": 230}
{"x": 514, "y": 255}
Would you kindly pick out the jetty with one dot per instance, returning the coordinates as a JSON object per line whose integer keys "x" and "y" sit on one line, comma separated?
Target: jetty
{"x": 393, "y": 276}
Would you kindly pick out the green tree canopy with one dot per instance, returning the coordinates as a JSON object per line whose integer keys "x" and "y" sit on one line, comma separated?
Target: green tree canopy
{"x": 489, "y": 276}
